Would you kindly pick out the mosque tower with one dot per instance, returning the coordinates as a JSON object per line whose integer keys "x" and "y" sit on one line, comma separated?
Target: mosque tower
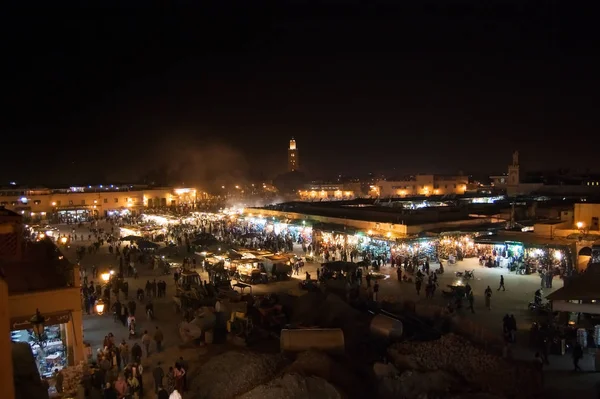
{"x": 293, "y": 161}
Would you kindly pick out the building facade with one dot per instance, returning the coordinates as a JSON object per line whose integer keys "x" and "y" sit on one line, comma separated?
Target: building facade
{"x": 293, "y": 160}
{"x": 79, "y": 203}
{"x": 587, "y": 217}
{"x": 328, "y": 192}
{"x": 40, "y": 278}
{"x": 420, "y": 185}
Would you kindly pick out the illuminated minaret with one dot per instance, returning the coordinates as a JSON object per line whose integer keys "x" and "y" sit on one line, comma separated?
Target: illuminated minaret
{"x": 293, "y": 161}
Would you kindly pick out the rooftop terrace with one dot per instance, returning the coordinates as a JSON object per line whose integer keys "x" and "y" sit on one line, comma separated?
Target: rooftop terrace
{"x": 370, "y": 210}
{"x": 42, "y": 268}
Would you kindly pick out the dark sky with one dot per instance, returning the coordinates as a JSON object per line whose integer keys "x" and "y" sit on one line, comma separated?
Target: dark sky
{"x": 104, "y": 93}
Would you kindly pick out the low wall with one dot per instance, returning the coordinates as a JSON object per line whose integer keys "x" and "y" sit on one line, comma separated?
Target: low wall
{"x": 554, "y": 230}
{"x": 398, "y": 229}
{"x": 457, "y": 224}
{"x": 377, "y": 227}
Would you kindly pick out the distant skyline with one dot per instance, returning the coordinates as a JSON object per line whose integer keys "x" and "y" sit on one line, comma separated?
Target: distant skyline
{"x": 209, "y": 94}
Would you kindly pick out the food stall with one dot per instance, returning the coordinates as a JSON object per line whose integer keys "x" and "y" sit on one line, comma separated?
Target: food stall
{"x": 420, "y": 248}
{"x": 249, "y": 271}
{"x": 151, "y": 233}
{"x": 526, "y": 254}
{"x": 456, "y": 246}
{"x": 279, "y": 266}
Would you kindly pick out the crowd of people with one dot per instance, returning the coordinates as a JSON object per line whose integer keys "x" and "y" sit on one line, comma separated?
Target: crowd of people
{"x": 117, "y": 371}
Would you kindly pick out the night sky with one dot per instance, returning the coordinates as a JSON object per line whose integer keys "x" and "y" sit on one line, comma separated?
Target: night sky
{"x": 101, "y": 95}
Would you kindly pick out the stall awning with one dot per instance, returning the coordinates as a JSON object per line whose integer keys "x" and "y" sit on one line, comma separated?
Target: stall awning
{"x": 562, "y": 306}
{"x": 490, "y": 241}
{"x": 526, "y": 239}
{"x": 337, "y": 228}
{"x": 582, "y": 287}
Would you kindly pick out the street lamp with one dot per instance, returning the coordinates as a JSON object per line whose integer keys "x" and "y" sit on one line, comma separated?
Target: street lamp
{"x": 580, "y": 225}
{"x": 37, "y": 321}
{"x": 105, "y": 277}
{"x": 100, "y": 307}
{"x": 63, "y": 240}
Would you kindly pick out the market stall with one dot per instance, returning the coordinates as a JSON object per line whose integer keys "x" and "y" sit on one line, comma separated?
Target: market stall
{"x": 279, "y": 266}
{"x": 418, "y": 249}
{"x": 147, "y": 232}
{"x": 50, "y": 354}
{"x": 249, "y": 271}
{"x": 528, "y": 255}
{"x": 456, "y": 245}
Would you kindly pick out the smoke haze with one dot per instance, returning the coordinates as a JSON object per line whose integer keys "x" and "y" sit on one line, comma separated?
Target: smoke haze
{"x": 183, "y": 160}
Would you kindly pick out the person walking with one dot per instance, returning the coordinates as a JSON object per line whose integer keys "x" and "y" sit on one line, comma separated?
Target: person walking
{"x": 471, "y": 299}
{"x": 162, "y": 393}
{"x": 158, "y": 338}
{"x": 538, "y": 363}
{"x": 179, "y": 372}
{"x": 185, "y": 366}
{"x": 577, "y": 356}
{"x": 146, "y": 340}
{"x": 158, "y": 374}
{"x": 501, "y": 283}
{"x": 488, "y": 298}
{"x": 175, "y": 395}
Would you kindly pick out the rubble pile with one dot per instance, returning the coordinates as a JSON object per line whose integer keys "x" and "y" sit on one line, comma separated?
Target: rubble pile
{"x": 413, "y": 384}
{"x": 312, "y": 362}
{"x": 231, "y": 374}
{"x": 294, "y": 386}
{"x": 319, "y": 364}
{"x": 482, "y": 371}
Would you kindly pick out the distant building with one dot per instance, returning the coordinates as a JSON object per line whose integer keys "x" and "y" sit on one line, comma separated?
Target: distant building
{"x": 420, "y": 185}
{"x": 514, "y": 183}
{"x": 511, "y": 180}
{"x": 293, "y": 161}
{"x": 76, "y": 204}
{"x": 329, "y": 191}
{"x": 587, "y": 215}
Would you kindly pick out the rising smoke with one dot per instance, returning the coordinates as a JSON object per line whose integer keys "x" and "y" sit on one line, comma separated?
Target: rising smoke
{"x": 186, "y": 161}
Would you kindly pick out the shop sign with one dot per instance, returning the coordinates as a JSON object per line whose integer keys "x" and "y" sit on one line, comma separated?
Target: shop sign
{"x": 24, "y": 323}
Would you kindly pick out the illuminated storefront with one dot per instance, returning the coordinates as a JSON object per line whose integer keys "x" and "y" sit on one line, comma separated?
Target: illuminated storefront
{"x": 456, "y": 246}
{"x": 61, "y": 344}
{"x": 531, "y": 256}
{"x": 50, "y": 353}
{"x": 75, "y": 215}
